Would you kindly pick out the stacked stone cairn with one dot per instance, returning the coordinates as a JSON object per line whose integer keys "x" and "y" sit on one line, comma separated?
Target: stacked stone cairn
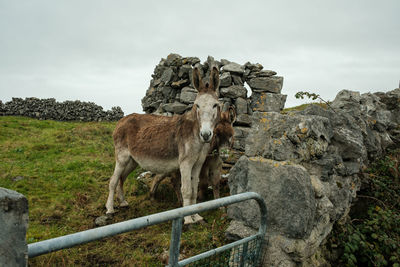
{"x": 50, "y": 109}
{"x": 171, "y": 90}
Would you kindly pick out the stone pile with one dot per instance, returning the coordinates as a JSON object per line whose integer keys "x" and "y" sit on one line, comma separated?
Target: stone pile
{"x": 307, "y": 165}
{"x": 49, "y": 109}
{"x": 171, "y": 91}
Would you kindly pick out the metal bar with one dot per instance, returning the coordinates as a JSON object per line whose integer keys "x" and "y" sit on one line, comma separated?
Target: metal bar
{"x": 215, "y": 251}
{"x": 175, "y": 242}
{"x": 67, "y": 241}
{"x": 244, "y": 254}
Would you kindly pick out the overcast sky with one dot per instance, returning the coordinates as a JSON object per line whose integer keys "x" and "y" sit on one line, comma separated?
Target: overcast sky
{"x": 106, "y": 51}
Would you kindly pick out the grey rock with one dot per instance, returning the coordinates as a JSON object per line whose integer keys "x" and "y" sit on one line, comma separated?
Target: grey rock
{"x": 243, "y": 120}
{"x": 267, "y": 102}
{"x": 234, "y": 68}
{"x": 237, "y": 80}
{"x": 345, "y": 98}
{"x": 102, "y": 220}
{"x": 288, "y": 137}
{"x": 225, "y": 79}
{"x": 191, "y": 60}
{"x": 176, "y": 107}
{"x": 266, "y": 84}
{"x": 286, "y": 189}
{"x": 225, "y": 62}
{"x": 234, "y": 91}
{"x": 238, "y": 230}
{"x": 253, "y": 67}
{"x": 181, "y": 83}
{"x": 350, "y": 143}
{"x": 14, "y": 222}
{"x": 173, "y": 60}
{"x": 184, "y": 71}
{"x": 188, "y": 95}
{"x": 18, "y": 178}
{"x": 241, "y": 132}
{"x": 266, "y": 73}
{"x": 166, "y": 91}
{"x": 167, "y": 76}
{"x": 241, "y": 105}
{"x": 239, "y": 137}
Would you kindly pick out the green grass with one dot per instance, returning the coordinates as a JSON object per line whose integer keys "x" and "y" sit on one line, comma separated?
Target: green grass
{"x": 303, "y": 107}
{"x": 65, "y": 168}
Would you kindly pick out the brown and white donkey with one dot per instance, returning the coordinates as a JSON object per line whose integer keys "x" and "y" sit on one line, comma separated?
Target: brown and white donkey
{"x": 212, "y": 168}
{"x": 166, "y": 144}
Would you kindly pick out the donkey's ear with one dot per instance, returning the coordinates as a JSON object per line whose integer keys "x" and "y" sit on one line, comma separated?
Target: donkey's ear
{"x": 197, "y": 81}
{"x": 232, "y": 114}
{"x": 214, "y": 79}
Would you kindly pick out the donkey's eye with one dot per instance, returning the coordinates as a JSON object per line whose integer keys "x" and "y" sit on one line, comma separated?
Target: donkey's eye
{"x": 215, "y": 105}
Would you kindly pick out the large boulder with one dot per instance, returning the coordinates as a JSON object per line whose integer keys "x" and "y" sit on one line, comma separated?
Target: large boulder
{"x": 286, "y": 189}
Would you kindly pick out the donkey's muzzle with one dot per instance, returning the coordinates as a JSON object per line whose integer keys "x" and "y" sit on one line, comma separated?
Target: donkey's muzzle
{"x": 206, "y": 136}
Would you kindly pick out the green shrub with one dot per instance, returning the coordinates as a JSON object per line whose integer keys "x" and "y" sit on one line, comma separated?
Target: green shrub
{"x": 372, "y": 237}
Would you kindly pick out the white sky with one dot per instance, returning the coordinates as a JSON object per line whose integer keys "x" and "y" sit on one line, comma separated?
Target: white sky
{"x": 105, "y": 51}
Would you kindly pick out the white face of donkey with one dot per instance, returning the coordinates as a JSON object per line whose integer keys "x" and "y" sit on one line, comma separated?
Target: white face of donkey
{"x": 206, "y": 104}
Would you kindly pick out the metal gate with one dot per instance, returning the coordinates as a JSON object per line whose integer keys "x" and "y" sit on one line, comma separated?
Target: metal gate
{"x": 244, "y": 252}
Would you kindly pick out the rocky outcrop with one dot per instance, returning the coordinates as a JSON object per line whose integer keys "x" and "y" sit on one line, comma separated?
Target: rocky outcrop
{"x": 49, "y": 109}
{"x": 306, "y": 164}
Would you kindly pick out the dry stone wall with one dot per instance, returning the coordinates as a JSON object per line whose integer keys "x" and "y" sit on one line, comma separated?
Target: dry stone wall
{"x": 171, "y": 90}
{"x": 308, "y": 166}
{"x": 50, "y": 109}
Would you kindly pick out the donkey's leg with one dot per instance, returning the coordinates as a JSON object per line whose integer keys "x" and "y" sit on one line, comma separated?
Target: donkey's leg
{"x": 176, "y": 183}
{"x": 155, "y": 183}
{"x": 203, "y": 182}
{"x": 215, "y": 178}
{"x": 194, "y": 183}
{"x": 186, "y": 187}
{"x": 120, "y": 188}
{"x": 194, "y": 186}
{"x": 120, "y": 164}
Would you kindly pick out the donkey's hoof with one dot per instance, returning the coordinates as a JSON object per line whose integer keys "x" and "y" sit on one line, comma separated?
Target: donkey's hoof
{"x": 124, "y": 204}
{"x": 197, "y": 218}
{"x": 110, "y": 211}
{"x": 193, "y": 219}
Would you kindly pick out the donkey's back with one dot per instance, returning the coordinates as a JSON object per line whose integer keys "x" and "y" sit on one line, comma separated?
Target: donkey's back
{"x": 151, "y": 140}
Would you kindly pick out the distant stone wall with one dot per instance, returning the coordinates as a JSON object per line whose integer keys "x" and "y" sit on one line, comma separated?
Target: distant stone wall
{"x": 171, "y": 90}
{"x": 50, "y": 109}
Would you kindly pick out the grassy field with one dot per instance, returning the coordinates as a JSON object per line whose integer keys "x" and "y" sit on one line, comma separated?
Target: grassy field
{"x": 63, "y": 169}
